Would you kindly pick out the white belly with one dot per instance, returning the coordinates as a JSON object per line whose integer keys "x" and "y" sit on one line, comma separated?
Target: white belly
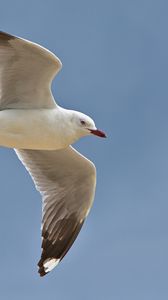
{"x": 31, "y": 129}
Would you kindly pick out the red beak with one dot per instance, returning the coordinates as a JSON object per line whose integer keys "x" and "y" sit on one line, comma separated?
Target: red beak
{"x": 98, "y": 132}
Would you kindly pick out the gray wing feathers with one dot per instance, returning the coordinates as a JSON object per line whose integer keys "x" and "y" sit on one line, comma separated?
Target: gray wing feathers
{"x": 66, "y": 181}
{"x": 26, "y": 73}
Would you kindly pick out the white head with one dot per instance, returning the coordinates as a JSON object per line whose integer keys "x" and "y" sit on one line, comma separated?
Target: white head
{"x": 84, "y": 125}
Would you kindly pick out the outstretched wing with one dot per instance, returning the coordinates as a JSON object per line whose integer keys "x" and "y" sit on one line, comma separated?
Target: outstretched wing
{"x": 66, "y": 181}
{"x": 26, "y": 73}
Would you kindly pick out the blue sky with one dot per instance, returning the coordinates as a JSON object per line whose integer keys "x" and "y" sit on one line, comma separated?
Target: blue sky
{"x": 115, "y": 68}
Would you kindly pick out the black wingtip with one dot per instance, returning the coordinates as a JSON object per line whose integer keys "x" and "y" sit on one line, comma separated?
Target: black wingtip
{"x": 45, "y": 266}
{"x": 42, "y": 272}
{"x": 54, "y": 251}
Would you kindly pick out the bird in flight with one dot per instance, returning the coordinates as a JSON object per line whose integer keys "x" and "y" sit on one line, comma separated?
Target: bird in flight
{"x": 41, "y": 133}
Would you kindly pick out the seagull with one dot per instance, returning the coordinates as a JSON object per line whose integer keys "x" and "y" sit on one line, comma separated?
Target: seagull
{"x": 41, "y": 133}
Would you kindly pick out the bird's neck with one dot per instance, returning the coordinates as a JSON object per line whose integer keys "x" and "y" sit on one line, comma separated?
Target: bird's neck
{"x": 64, "y": 125}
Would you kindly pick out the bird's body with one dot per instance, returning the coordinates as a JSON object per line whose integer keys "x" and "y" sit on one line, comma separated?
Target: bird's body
{"x": 41, "y": 133}
{"x": 39, "y": 129}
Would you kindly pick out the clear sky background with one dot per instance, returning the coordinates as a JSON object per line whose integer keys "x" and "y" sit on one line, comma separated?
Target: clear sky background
{"x": 115, "y": 68}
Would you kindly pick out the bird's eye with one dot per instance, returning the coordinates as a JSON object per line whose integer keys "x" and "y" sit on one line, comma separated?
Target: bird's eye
{"x": 83, "y": 122}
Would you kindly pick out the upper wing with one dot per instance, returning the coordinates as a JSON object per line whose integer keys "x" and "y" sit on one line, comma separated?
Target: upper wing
{"x": 26, "y": 73}
{"x": 67, "y": 181}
